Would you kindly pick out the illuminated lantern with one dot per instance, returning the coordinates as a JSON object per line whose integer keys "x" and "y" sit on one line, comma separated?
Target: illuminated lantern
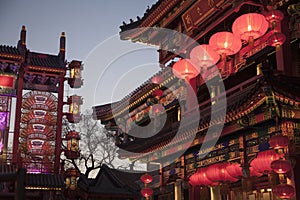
{"x": 225, "y": 43}
{"x": 193, "y": 180}
{"x": 71, "y": 178}
{"x": 262, "y": 163}
{"x": 274, "y": 17}
{"x": 234, "y": 170}
{"x": 74, "y": 108}
{"x": 204, "y": 56}
{"x": 157, "y": 93}
{"x": 200, "y": 178}
{"x": 284, "y": 191}
{"x": 185, "y": 69}
{"x": 279, "y": 141}
{"x": 276, "y": 40}
{"x": 281, "y": 166}
{"x": 254, "y": 173}
{"x": 75, "y": 80}
{"x": 250, "y": 26}
{"x": 146, "y": 178}
{"x": 217, "y": 173}
{"x": 157, "y": 80}
{"x": 72, "y": 151}
{"x": 147, "y": 192}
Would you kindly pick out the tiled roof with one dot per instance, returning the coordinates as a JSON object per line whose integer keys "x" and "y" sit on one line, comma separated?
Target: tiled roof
{"x": 105, "y": 111}
{"x": 44, "y": 60}
{"x": 9, "y": 50}
{"x": 49, "y": 181}
{"x": 111, "y": 182}
{"x": 7, "y": 170}
{"x": 135, "y": 24}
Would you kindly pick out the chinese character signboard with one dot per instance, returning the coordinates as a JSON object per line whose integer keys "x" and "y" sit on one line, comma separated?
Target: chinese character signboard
{"x": 199, "y": 12}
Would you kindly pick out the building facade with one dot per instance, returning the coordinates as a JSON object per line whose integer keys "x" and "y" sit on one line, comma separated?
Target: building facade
{"x": 217, "y": 127}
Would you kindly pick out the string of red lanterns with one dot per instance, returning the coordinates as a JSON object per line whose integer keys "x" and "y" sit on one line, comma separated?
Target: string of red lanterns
{"x": 200, "y": 178}
{"x": 274, "y": 17}
{"x": 225, "y": 172}
{"x": 247, "y": 27}
{"x": 147, "y": 192}
{"x": 281, "y": 166}
{"x": 263, "y": 160}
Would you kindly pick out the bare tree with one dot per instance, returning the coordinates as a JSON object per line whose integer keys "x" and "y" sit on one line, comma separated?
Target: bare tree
{"x": 96, "y": 145}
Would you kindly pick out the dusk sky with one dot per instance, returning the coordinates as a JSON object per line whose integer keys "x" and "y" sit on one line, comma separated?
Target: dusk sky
{"x": 92, "y": 29}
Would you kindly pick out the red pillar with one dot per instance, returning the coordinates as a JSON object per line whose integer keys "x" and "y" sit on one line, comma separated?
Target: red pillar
{"x": 16, "y": 153}
{"x": 58, "y": 140}
{"x": 297, "y": 176}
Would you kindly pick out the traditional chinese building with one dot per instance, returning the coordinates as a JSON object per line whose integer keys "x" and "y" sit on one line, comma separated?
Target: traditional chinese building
{"x": 222, "y": 117}
{"x": 110, "y": 184}
{"x": 36, "y": 82}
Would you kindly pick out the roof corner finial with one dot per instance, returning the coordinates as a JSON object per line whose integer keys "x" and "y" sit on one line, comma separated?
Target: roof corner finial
{"x": 62, "y": 45}
{"x": 23, "y": 37}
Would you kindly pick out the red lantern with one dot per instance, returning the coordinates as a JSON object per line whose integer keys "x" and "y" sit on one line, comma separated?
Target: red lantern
{"x": 279, "y": 141}
{"x": 250, "y": 26}
{"x": 146, "y": 178}
{"x": 157, "y": 93}
{"x": 200, "y": 178}
{"x": 281, "y": 166}
{"x": 234, "y": 170}
{"x": 284, "y": 191}
{"x": 147, "y": 192}
{"x": 185, "y": 69}
{"x": 254, "y": 173}
{"x": 157, "y": 80}
{"x": 204, "y": 56}
{"x": 276, "y": 39}
{"x": 262, "y": 163}
{"x": 193, "y": 179}
{"x": 217, "y": 173}
{"x": 274, "y": 17}
{"x": 225, "y": 43}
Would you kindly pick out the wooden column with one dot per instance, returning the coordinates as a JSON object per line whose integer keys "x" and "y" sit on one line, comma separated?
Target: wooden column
{"x": 20, "y": 185}
{"x": 297, "y": 176}
{"x": 58, "y": 138}
{"x": 16, "y": 153}
{"x": 178, "y": 191}
{"x": 215, "y": 193}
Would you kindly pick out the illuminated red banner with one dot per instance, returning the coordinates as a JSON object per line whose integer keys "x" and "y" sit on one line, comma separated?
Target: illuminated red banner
{"x": 7, "y": 81}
